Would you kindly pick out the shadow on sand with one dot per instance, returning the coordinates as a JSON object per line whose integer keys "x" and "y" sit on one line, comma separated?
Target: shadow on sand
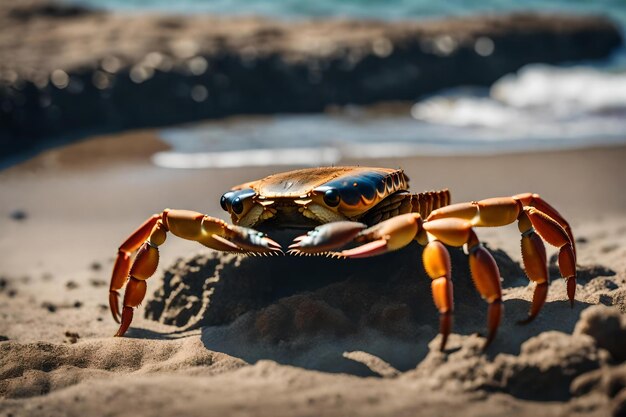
{"x": 309, "y": 312}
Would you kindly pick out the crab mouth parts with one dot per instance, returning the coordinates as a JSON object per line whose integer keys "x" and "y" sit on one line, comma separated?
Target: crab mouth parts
{"x": 283, "y": 231}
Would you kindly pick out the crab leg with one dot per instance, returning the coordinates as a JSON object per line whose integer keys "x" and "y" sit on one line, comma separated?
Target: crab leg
{"x": 485, "y": 274}
{"x": 436, "y": 260}
{"x": 122, "y": 262}
{"x": 208, "y": 231}
{"x": 528, "y": 209}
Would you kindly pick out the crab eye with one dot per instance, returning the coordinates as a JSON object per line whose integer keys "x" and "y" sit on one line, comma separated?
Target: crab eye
{"x": 237, "y": 205}
{"x": 223, "y": 202}
{"x": 331, "y": 198}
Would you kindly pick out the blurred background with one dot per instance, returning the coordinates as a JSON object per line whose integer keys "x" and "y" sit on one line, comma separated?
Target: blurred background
{"x": 324, "y": 81}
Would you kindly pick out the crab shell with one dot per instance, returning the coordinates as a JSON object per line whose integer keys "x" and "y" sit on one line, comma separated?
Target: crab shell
{"x": 313, "y": 196}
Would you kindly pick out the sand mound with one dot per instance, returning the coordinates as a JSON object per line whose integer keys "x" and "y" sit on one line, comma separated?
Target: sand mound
{"x": 308, "y": 311}
{"x": 33, "y": 369}
{"x": 310, "y": 295}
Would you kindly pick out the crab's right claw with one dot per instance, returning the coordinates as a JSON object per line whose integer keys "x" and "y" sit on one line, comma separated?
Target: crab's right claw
{"x": 327, "y": 237}
{"x": 250, "y": 240}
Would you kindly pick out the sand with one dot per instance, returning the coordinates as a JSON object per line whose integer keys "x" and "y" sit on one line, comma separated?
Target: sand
{"x": 222, "y": 335}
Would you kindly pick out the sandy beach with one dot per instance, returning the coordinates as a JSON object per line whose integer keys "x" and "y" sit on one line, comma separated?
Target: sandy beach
{"x": 63, "y": 213}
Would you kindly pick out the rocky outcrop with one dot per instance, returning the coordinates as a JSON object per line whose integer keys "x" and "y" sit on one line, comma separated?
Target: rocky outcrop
{"x": 75, "y": 70}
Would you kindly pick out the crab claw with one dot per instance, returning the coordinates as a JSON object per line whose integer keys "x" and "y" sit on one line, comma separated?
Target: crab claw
{"x": 327, "y": 237}
{"x": 251, "y": 240}
{"x": 388, "y": 236}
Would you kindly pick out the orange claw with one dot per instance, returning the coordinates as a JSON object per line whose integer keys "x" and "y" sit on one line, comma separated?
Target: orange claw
{"x": 209, "y": 231}
{"x": 327, "y": 237}
{"x": 377, "y": 247}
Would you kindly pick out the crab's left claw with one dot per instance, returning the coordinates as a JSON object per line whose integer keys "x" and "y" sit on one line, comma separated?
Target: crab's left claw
{"x": 327, "y": 237}
{"x": 208, "y": 231}
{"x": 250, "y": 240}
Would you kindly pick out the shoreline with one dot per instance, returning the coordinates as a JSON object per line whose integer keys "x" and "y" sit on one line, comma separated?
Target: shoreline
{"x": 155, "y": 70}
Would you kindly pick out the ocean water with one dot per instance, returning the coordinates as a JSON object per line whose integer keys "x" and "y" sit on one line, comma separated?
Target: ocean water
{"x": 367, "y": 9}
{"x": 537, "y": 108}
{"x": 540, "y": 107}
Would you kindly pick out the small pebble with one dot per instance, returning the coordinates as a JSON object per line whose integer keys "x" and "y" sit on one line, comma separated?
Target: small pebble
{"x": 78, "y": 304}
{"x": 96, "y": 266}
{"x": 49, "y": 306}
{"x": 608, "y": 248}
{"x": 71, "y": 285}
{"x": 72, "y": 337}
{"x": 19, "y": 215}
{"x": 95, "y": 282}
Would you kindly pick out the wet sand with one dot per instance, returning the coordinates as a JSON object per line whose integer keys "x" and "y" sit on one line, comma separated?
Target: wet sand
{"x": 64, "y": 212}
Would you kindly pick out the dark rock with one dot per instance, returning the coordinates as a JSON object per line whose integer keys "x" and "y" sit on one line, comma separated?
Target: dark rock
{"x": 19, "y": 215}
{"x": 49, "y": 306}
{"x": 48, "y": 10}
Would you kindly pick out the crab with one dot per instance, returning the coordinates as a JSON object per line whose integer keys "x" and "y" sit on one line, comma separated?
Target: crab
{"x": 358, "y": 212}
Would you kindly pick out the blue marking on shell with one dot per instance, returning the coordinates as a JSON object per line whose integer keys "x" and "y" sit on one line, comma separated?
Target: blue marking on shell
{"x": 380, "y": 186}
{"x": 352, "y": 188}
{"x": 350, "y": 195}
